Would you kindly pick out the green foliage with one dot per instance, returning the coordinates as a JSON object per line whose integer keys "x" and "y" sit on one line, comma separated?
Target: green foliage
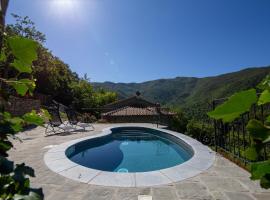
{"x": 22, "y": 86}
{"x": 265, "y": 83}
{"x": 33, "y": 118}
{"x": 259, "y": 132}
{"x": 13, "y": 180}
{"x": 264, "y": 97}
{"x": 102, "y": 97}
{"x": 198, "y": 129}
{"x": 13, "y": 183}
{"x": 251, "y": 153}
{"x": 24, "y": 51}
{"x": 84, "y": 95}
{"x": 260, "y": 135}
{"x": 236, "y": 105}
{"x": 261, "y": 170}
{"x": 53, "y": 77}
{"x": 21, "y": 67}
{"x": 31, "y": 196}
{"x": 267, "y": 119}
{"x": 179, "y": 122}
{"x": 194, "y": 128}
{"x": 19, "y": 53}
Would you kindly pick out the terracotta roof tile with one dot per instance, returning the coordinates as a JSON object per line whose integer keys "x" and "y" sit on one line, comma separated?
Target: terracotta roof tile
{"x": 134, "y": 111}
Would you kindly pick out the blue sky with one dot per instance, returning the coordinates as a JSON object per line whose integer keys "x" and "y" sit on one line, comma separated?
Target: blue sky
{"x": 139, "y": 40}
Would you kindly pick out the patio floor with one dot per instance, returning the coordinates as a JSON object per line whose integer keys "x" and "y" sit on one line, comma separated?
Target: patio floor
{"x": 224, "y": 180}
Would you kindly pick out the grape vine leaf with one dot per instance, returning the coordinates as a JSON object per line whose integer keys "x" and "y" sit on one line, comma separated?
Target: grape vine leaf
{"x": 33, "y": 118}
{"x": 236, "y": 105}
{"x": 23, "y": 49}
{"x": 251, "y": 153}
{"x": 264, "y": 97}
{"x": 21, "y": 67}
{"x": 261, "y": 170}
{"x": 258, "y": 130}
{"x": 23, "y": 85}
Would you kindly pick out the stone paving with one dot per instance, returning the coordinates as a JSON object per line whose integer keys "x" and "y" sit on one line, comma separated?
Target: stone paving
{"x": 224, "y": 180}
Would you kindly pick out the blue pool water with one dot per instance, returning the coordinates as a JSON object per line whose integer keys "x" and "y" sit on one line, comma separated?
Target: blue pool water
{"x": 130, "y": 149}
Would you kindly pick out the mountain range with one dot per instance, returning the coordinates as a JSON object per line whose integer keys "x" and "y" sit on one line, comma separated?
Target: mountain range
{"x": 190, "y": 93}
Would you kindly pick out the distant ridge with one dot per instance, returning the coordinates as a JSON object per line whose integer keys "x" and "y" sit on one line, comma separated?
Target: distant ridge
{"x": 186, "y": 92}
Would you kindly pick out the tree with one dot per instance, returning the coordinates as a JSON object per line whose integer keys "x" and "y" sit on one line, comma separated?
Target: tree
{"x": 84, "y": 95}
{"x": 53, "y": 77}
{"x": 25, "y": 27}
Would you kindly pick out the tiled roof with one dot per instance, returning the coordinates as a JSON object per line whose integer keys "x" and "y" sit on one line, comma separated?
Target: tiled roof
{"x": 135, "y": 111}
{"x": 134, "y": 101}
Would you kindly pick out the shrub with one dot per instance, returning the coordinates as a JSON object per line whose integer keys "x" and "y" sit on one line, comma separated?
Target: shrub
{"x": 199, "y": 130}
{"x": 179, "y": 122}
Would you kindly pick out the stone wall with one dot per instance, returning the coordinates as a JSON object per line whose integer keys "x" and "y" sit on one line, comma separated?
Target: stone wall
{"x": 19, "y": 106}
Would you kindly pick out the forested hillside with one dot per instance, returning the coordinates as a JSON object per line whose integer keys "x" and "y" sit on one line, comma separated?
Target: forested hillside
{"x": 189, "y": 93}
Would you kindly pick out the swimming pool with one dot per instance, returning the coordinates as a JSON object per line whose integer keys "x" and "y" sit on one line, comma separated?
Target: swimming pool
{"x": 106, "y": 157}
{"x": 130, "y": 149}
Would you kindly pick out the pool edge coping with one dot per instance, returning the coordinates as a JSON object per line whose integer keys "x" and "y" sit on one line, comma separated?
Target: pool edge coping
{"x": 202, "y": 159}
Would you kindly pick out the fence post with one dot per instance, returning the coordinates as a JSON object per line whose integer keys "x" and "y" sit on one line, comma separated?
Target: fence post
{"x": 215, "y": 126}
{"x": 244, "y": 137}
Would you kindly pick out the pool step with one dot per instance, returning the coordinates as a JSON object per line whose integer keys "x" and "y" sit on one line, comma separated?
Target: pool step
{"x": 134, "y": 137}
{"x": 131, "y": 130}
{"x": 132, "y": 134}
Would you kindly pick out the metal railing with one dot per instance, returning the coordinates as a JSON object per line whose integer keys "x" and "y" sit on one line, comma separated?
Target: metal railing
{"x": 234, "y": 138}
